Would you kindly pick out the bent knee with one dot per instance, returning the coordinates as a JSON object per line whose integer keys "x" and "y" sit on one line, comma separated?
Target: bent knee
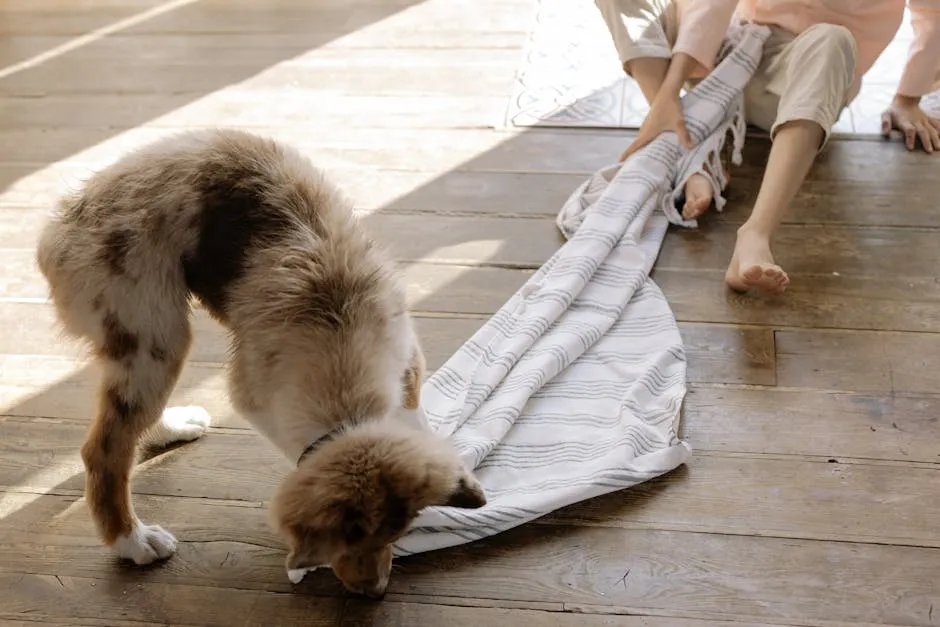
{"x": 832, "y": 40}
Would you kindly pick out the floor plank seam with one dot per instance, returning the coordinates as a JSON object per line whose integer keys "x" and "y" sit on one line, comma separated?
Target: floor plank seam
{"x": 79, "y": 494}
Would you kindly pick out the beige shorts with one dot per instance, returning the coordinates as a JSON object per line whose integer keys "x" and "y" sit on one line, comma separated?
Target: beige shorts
{"x": 801, "y": 77}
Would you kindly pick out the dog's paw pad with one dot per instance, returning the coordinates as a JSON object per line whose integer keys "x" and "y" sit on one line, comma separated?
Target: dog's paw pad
{"x": 146, "y": 544}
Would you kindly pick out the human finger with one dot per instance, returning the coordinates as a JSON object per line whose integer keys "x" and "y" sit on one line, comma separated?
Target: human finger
{"x": 886, "y": 124}
{"x": 910, "y": 133}
{"x": 934, "y": 122}
{"x": 934, "y": 136}
{"x": 926, "y": 141}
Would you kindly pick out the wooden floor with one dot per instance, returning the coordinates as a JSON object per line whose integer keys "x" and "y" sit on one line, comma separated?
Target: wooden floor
{"x": 814, "y": 417}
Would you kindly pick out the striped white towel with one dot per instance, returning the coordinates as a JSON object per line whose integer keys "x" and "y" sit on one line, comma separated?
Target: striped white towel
{"x": 573, "y": 389}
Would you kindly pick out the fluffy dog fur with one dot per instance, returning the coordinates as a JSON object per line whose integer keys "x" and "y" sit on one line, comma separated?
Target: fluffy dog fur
{"x": 323, "y": 348}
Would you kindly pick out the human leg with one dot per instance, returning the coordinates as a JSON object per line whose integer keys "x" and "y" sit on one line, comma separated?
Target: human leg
{"x": 812, "y": 76}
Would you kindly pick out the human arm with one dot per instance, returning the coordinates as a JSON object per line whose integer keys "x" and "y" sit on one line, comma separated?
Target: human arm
{"x": 702, "y": 28}
{"x": 919, "y": 78}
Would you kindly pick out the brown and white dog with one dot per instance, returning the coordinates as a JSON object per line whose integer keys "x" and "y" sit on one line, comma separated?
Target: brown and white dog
{"x": 325, "y": 362}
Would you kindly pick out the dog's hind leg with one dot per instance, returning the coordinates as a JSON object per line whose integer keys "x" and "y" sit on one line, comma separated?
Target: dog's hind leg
{"x": 135, "y": 383}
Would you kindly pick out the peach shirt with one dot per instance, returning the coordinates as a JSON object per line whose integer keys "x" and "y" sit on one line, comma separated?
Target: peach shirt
{"x": 873, "y": 23}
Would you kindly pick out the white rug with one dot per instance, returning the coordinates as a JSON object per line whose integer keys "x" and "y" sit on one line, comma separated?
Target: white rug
{"x": 570, "y": 76}
{"x": 573, "y": 389}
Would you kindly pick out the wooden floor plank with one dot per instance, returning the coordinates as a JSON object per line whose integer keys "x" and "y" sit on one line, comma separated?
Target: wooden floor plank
{"x": 869, "y": 362}
{"x": 811, "y": 301}
{"x": 811, "y": 251}
{"x": 399, "y": 614}
{"x": 252, "y": 107}
{"x": 410, "y": 237}
{"x": 532, "y": 150}
{"x": 72, "y": 20}
{"x": 496, "y": 194}
{"x": 823, "y": 201}
{"x": 738, "y": 495}
{"x": 480, "y": 75}
{"x": 327, "y": 18}
{"x": 811, "y": 422}
{"x": 650, "y": 571}
{"x": 715, "y": 354}
{"x": 761, "y": 420}
{"x": 837, "y": 251}
{"x": 58, "y": 598}
{"x": 726, "y": 354}
{"x": 267, "y": 47}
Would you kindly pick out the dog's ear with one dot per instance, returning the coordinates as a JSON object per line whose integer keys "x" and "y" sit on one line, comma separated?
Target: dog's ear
{"x": 467, "y": 495}
{"x": 306, "y": 550}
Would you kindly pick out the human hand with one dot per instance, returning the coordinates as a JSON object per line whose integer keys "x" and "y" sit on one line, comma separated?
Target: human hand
{"x": 906, "y": 116}
{"x": 665, "y": 114}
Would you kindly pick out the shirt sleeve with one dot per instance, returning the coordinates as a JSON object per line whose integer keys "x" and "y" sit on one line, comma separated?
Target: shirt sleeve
{"x": 702, "y": 28}
{"x": 923, "y": 60}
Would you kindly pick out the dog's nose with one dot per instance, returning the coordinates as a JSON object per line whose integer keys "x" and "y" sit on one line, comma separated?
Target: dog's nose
{"x": 376, "y": 593}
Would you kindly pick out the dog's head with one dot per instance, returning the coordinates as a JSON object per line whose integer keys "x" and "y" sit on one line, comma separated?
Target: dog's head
{"x": 348, "y": 502}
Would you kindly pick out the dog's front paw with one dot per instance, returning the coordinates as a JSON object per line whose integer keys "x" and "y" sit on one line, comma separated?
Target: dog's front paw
{"x": 145, "y": 544}
{"x": 296, "y": 575}
{"x": 179, "y": 424}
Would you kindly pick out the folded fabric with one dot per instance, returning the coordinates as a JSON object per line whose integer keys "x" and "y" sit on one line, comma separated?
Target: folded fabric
{"x": 574, "y": 388}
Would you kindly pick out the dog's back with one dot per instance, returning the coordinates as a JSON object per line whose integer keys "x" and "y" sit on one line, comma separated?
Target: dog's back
{"x": 264, "y": 241}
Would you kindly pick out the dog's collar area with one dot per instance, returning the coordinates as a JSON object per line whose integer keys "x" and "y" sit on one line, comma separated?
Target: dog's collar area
{"x": 313, "y": 446}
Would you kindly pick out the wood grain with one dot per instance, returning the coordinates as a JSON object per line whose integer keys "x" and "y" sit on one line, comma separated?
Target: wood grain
{"x": 404, "y": 614}
{"x": 58, "y": 598}
{"x": 811, "y": 301}
{"x": 879, "y": 362}
{"x": 650, "y": 571}
{"x": 458, "y": 192}
{"x": 838, "y": 251}
{"x": 382, "y": 108}
{"x": 432, "y": 72}
{"x": 531, "y": 150}
{"x": 452, "y": 239}
{"x": 761, "y": 420}
{"x": 824, "y": 424}
{"x": 402, "y": 100}
{"x": 858, "y": 501}
{"x": 326, "y": 20}
{"x": 715, "y": 353}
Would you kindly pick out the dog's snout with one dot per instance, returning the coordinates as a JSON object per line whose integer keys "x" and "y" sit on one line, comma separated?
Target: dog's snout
{"x": 375, "y": 594}
{"x": 374, "y": 589}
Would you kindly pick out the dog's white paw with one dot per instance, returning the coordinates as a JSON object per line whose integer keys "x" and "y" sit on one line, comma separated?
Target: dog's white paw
{"x": 145, "y": 544}
{"x": 179, "y": 424}
{"x": 296, "y": 575}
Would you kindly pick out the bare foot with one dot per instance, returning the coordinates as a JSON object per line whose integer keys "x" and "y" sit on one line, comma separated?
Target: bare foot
{"x": 752, "y": 266}
{"x": 698, "y": 195}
